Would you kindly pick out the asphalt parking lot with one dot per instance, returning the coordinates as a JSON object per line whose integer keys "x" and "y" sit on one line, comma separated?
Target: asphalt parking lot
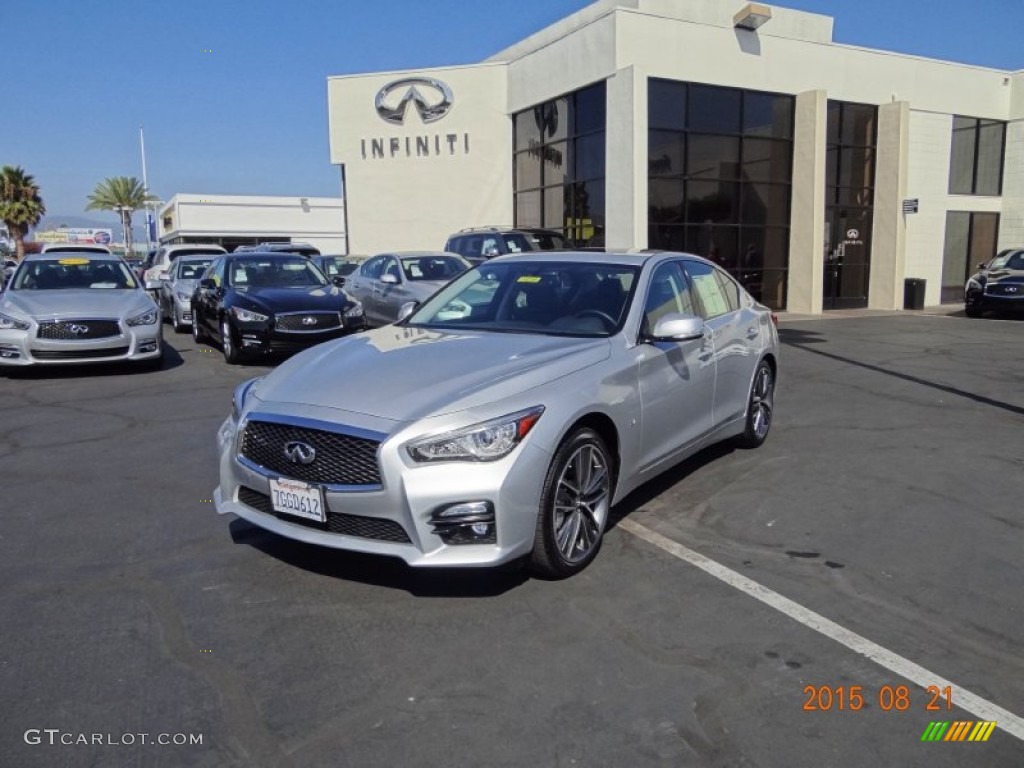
{"x": 887, "y": 500}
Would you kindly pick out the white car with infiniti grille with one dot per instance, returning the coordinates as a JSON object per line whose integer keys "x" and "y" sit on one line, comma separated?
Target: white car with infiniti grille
{"x": 74, "y": 307}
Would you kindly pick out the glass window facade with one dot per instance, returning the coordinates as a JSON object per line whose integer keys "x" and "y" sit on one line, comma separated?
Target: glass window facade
{"x": 971, "y": 238}
{"x": 976, "y": 156}
{"x": 719, "y": 179}
{"x": 559, "y": 165}
{"x": 851, "y": 138}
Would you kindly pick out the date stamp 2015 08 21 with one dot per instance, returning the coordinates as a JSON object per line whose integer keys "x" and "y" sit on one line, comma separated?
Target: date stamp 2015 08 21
{"x": 852, "y": 698}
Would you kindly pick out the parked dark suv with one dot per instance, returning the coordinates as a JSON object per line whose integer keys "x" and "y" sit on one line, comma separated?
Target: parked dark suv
{"x": 482, "y": 243}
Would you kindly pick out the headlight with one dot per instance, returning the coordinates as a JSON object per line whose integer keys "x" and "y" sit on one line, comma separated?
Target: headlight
{"x": 10, "y": 324}
{"x": 972, "y": 283}
{"x": 488, "y": 441}
{"x": 356, "y": 310}
{"x": 247, "y": 316}
{"x": 184, "y": 296}
{"x": 146, "y": 318}
{"x": 241, "y": 396}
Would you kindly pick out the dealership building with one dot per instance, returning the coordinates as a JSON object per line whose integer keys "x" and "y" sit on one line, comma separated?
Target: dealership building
{"x": 821, "y": 175}
{"x": 234, "y": 220}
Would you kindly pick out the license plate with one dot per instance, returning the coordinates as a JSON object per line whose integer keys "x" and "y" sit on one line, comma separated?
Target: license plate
{"x": 299, "y": 499}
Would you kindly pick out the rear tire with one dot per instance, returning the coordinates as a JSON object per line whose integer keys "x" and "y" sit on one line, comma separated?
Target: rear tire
{"x": 759, "y": 408}
{"x": 574, "y": 505}
{"x": 972, "y": 311}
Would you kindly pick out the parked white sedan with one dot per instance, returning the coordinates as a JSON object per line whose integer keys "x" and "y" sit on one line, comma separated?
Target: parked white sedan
{"x": 65, "y": 307}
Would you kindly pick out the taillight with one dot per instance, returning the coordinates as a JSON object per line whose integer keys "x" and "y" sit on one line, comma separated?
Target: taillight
{"x": 775, "y": 320}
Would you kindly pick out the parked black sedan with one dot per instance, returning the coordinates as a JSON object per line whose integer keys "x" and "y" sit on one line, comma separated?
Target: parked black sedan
{"x": 996, "y": 286}
{"x": 270, "y": 302}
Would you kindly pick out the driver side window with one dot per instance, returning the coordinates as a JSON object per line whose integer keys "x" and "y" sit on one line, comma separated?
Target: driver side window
{"x": 668, "y": 292}
{"x": 373, "y": 268}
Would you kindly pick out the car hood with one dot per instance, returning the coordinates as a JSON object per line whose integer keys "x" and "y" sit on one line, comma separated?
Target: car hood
{"x": 72, "y": 302}
{"x": 292, "y": 299}
{"x": 404, "y": 374}
{"x": 1006, "y": 276}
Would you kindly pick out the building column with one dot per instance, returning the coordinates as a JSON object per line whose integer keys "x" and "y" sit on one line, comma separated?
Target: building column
{"x": 889, "y": 229}
{"x": 807, "y": 217}
{"x": 625, "y": 162}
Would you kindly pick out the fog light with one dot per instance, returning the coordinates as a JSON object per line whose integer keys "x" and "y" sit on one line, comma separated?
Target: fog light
{"x": 9, "y": 352}
{"x": 149, "y": 345}
{"x": 468, "y": 522}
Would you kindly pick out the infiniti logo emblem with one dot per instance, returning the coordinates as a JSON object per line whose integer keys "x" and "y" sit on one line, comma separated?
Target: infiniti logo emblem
{"x": 309, "y": 320}
{"x": 432, "y": 99}
{"x": 79, "y": 330}
{"x": 1011, "y": 289}
{"x": 299, "y": 453}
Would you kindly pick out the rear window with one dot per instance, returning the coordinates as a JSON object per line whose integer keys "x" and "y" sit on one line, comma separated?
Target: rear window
{"x": 194, "y": 252}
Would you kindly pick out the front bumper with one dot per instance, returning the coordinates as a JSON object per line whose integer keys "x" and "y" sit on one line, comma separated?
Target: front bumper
{"x": 263, "y": 338}
{"x": 135, "y": 343}
{"x": 408, "y": 496}
{"x": 988, "y": 302}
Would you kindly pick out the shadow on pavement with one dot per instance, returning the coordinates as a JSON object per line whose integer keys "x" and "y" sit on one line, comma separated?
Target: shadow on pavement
{"x": 379, "y": 570}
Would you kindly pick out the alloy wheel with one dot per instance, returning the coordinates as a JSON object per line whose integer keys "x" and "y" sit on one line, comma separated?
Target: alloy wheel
{"x": 581, "y": 503}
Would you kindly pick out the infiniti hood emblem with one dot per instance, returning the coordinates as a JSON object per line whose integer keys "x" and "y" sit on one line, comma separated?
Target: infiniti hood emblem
{"x": 79, "y": 330}
{"x": 432, "y": 99}
{"x": 299, "y": 453}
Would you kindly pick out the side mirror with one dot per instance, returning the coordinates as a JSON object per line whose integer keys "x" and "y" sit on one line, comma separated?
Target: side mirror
{"x": 338, "y": 280}
{"x": 983, "y": 265}
{"x": 406, "y": 309}
{"x": 490, "y": 253}
{"x": 678, "y": 327}
{"x": 389, "y": 279}
{"x": 208, "y": 283}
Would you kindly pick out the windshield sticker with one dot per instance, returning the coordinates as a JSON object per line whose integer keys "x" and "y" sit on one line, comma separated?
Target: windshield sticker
{"x": 77, "y": 261}
{"x": 529, "y": 279}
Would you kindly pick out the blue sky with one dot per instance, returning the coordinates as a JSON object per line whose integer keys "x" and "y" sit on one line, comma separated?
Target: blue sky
{"x": 251, "y": 116}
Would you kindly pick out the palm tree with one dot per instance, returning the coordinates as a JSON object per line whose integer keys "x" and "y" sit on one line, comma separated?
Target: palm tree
{"x": 123, "y": 194}
{"x": 21, "y": 207}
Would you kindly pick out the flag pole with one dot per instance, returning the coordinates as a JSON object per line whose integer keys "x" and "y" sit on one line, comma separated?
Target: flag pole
{"x": 145, "y": 186}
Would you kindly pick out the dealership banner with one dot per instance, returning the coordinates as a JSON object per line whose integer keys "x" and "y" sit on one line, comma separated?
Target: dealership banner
{"x": 76, "y": 235}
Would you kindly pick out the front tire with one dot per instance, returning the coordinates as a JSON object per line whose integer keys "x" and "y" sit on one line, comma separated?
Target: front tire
{"x": 227, "y": 343}
{"x": 759, "y": 408}
{"x": 198, "y": 334}
{"x": 575, "y": 502}
{"x": 972, "y": 310}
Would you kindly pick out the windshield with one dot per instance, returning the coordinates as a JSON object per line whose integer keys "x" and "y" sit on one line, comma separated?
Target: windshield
{"x": 1013, "y": 260}
{"x": 73, "y": 272}
{"x": 553, "y": 298}
{"x": 432, "y": 267}
{"x": 191, "y": 269}
{"x": 193, "y": 252}
{"x": 275, "y": 272}
{"x": 341, "y": 267}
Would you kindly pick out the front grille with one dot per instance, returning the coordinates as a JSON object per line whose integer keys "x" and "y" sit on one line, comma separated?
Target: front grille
{"x": 349, "y": 525}
{"x": 309, "y": 321}
{"x": 1006, "y": 289}
{"x": 340, "y": 459}
{"x": 78, "y": 354}
{"x": 76, "y": 330}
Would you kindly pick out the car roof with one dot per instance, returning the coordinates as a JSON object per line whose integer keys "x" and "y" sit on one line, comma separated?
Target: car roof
{"x": 181, "y": 246}
{"x": 416, "y": 254}
{"x": 52, "y": 255}
{"x": 622, "y": 257}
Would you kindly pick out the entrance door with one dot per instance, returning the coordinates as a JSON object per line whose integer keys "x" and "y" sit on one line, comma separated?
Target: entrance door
{"x": 847, "y": 258}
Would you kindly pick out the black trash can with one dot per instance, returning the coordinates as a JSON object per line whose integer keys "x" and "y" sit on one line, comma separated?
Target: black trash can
{"x": 913, "y": 293}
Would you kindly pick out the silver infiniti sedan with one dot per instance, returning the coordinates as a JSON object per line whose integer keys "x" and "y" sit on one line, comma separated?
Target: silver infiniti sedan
{"x": 64, "y": 307}
{"x": 175, "y": 294}
{"x": 387, "y": 281}
{"x": 506, "y": 415}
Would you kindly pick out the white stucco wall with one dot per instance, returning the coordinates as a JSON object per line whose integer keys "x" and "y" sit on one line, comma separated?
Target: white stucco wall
{"x": 319, "y": 221}
{"x": 410, "y": 199}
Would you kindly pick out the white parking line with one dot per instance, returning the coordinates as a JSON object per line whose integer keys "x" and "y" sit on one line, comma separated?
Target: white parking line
{"x": 964, "y": 699}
